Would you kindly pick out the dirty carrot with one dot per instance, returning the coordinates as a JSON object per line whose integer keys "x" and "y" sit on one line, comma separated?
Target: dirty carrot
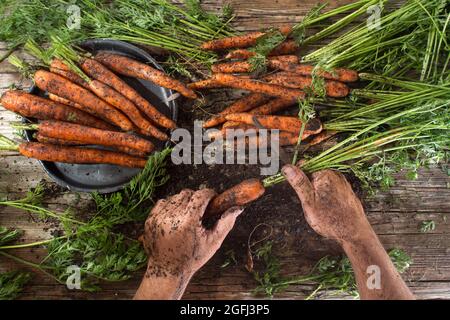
{"x": 98, "y": 71}
{"x": 32, "y": 106}
{"x": 248, "y": 102}
{"x": 287, "y": 47}
{"x": 66, "y": 89}
{"x": 204, "y": 84}
{"x": 60, "y": 68}
{"x": 67, "y": 154}
{"x": 235, "y": 42}
{"x": 321, "y": 137}
{"x": 339, "y": 74}
{"x": 135, "y": 69}
{"x": 44, "y": 139}
{"x": 332, "y": 88}
{"x": 241, "y": 194}
{"x": 111, "y": 96}
{"x": 255, "y": 141}
{"x": 245, "y": 66}
{"x": 271, "y": 107}
{"x": 258, "y": 86}
{"x": 67, "y": 102}
{"x": 87, "y": 135}
{"x": 117, "y": 100}
{"x": 214, "y": 134}
{"x": 283, "y": 123}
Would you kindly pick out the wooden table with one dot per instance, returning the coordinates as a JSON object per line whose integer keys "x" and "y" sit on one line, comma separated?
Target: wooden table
{"x": 396, "y": 215}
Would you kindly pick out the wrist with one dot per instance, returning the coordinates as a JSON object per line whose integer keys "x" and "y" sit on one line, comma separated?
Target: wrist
{"x": 360, "y": 234}
{"x": 163, "y": 284}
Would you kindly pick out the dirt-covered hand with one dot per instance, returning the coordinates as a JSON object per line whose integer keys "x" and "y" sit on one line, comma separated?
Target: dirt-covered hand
{"x": 330, "y": 206}
{"x": 174, "y": 238}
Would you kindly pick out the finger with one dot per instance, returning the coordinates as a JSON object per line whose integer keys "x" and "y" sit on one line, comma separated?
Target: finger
{"x": 329, "y": 180}
{"x": 223, "y": 226}
{"x": 199, "y": 201}
{"x": 301, "y": 184}
{"x": 158, "y": 208}
{"x": 177, "y": 204}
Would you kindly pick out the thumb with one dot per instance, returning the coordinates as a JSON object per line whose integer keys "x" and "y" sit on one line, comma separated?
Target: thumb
{"x": 301, "y": 184}
{"x": 224, "y": 225}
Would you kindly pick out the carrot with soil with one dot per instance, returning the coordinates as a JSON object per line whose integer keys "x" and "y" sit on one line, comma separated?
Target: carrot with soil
{"x": 332, "y": 88}
{"x": 268, "y": 108}
{"x": 245, "y": 66}
{"x": 117, "y": 100}
{"x": 204, "y": 84}
{"x": 283, "y": 123}
{"x": 54, "y": 153}
{"x": 66, "y": 89}
{"x": 244, "y": 193}
{"x": 287, "y": 47}
{"x": 98, "y": 71}
{"x": 87, "y": 135}
{"x": 135, "y": 69}
{"x": 111, "y": 96}
{"x": 60, "y": 68}
{"x": 248, "y": 102}
{"x": 338, "y": 74}
{"x": 32, "y": 106}
{"x": 67, "y": 102}
{"x": 44, "y": 139}
{"x": 236, "y": 42}
{"x": 229, "y": 80}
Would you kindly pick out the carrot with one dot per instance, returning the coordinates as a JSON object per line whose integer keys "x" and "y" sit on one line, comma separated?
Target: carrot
{"x": 241, "y": 194}
{"x": 257, "y": 86}
{"x": 248, "y": 102}
{"x": 117, "y": 100}
{"x": 321, "y": 137}
{"x": 242, "y": 41}
{"x": 204, "y": 84}
{"x": 287, "y": 47}
{"x": 74, "y": 132}
{"x": 114, "y": 98}
{"x": 32, "y": 106}
{"x": 66, "y": 89}
{"x": 235, "y": 126}
{"x": 60, "y": 68}
{"x": 135, "y": 69}
{"x": 101, "y": 125}
{"x": 58, "y": 99}
{"x": 54, "y": 153}
{"x": 273, "y": 106}
{"x": 339, "y": 74}
{"x": 332, "y": 88}
{"x": 245, "y": 66}
{"x": 44, "y": 139}
{"x": 97, "y": 71}
{"x": 284, "y": 138}
{"x": 270, "y": 107}
{"x": 254, "y": 141}
{"x": 211, "y": 83}
{"x": 283, "y": 123}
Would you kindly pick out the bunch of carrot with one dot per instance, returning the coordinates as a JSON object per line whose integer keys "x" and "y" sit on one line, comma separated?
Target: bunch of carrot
{"x": 98, "y": 109}
{"x": 286, "y": 82}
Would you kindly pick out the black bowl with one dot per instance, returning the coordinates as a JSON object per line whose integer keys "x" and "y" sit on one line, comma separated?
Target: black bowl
{"x": 105, "y": 178}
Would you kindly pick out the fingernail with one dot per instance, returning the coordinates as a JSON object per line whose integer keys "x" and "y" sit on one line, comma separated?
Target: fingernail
{"x": 288, "y": 171}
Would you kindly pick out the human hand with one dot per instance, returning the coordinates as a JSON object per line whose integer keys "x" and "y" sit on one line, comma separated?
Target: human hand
{"x": 330, "y": 206}
{"x": 175, "y": 239}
